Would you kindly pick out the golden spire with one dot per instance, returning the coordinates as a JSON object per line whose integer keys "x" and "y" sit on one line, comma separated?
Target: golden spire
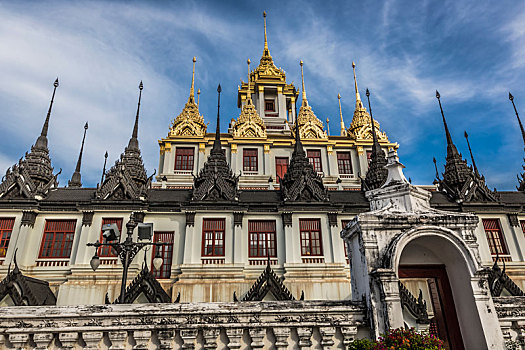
{"x": 192, "y": 90}
{"x": 343, "y": 129}
{"x": 328, "y": 126}
{"x": 265, "y": 39}
{"x": 249, "y": 94}
{"x": 305, "y": 101}
{"x": 357, "y": 96}
{"x": 198, "y": 96}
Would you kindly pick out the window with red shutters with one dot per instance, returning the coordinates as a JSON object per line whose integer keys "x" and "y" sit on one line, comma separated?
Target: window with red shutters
{"x": 281, "y": 167}
{"x": 213, "y": 237}
{"x": 345, "y": 246}
{"x": 314, "y": 156}
{"x": 311, "y": 240}
{"x": 262, "y": 241}
{"x": 58, "y": 239}
{"x": 250, "y": 159}
{"x": 105, "y": 251}
{"x": 269, "y": 106}
{"x": 495, "y": 237}
{"x": 6, "y": 227}
{"x": 166, "y": 252}
{"x": 344, "y": 163}
{"x": 184, "y": 158}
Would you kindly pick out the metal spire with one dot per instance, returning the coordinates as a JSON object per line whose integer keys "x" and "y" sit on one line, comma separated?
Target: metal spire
{"x": 305, "y": 101}
{"x": 328, "y": 126}
{"x": 511, "y": 98}
{"x": 435, "y": 166}
{"x": 449, "y": 138}
{"x": 343, "y": 129}
{"x": 134, "y": 142}
{"x": 76, "y": 177}
{"x": 192, "y": 89}
{"x": 198, "y": 96}
{"x": 104, "y": 168}
{"x": 374, "y": 136}
{"x": 358, "y": 101}
{"x": 265, "y": 38}
{"x": 41, "y": 142}
{"x": 471, "y": 155}
{"x": 298, "y": 145}
{"x": 249, "y": 94}
{"x": 217, "y": 142}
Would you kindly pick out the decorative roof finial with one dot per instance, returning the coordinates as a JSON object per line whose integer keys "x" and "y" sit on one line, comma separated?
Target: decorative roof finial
{"x": 217, "y": 142}
{"x": 104, "y": 168}
{"x": 436, "y": 167}
{"x": 76, "y": 178}
{"x": 198, "y": 96}
{"x": 305, "y": 101}
{"x": 41, "y": 142}
{"x": 249, "y": 94}
{"x": 374, "y": 136}
{"x": 265, "y": 38}
{"x": 343, "y": 129}
{"x": 358, "y": 102}
{"x": 511, "y": 98}
{"x": 449, "y": 138}
{"x": 328, "y": 126}
{"x": 192, "y": 89}
{"x": 133, "y": 141}
{"x": 471, "y": 155}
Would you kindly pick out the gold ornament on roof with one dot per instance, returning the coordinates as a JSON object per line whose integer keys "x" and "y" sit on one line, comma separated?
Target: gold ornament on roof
{"x": 310, "y": 127}
{"x": 249, "y": 124}
{"x": 189, "y": 122}
{"x": 360, "y": 128}
{"x": 267, "y": 68}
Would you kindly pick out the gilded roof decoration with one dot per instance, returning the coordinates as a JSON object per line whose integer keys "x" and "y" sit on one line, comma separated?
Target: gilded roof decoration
{"x": 249, "y": 124}
{"x": 189, "y": 122}
{"x": 267, "y": 68}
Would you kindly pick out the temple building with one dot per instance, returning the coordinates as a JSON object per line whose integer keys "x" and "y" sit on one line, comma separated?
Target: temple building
{"x": 270, "y": 234}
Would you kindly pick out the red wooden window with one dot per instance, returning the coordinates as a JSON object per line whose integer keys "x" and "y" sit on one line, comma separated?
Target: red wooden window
{"x": 58, "y": 239}
{"x": 184, "y": 158}
{"x": 344, "y": 163}
{"x": 269, "y": 106}
{"x": 345, "y": 246}
{"x": 522, "y": 226}
{"x": 6, "y": 227}
{"x": 314, "y": 156}
{"x": 368, "y": 157}
{"x": 104, "y": 251}
{"x": 281, "y": 166}
{"x": 262, "y": 239}
{"x": 250, "y": 159}
{"x": 495, "y": 237}
{"x": 311, "y": 240}
{"x": 213, "y": 237}
{"x": 166, "y": 252}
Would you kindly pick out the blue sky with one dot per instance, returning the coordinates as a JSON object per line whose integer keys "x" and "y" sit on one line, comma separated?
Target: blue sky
{"x": 473, "y": 52}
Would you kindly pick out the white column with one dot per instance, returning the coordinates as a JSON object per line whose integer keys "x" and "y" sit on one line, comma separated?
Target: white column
{"x": 239, "y": 240}
{"x": 266, "y": 157}
{"x": 332, "y": 160}
{"x": 292, "y": 102}
{"x": 190, "y": 239}
{"x": 260, "y": 105}
{"x": 292, "y": 243}
{"x": 281, "y": 100}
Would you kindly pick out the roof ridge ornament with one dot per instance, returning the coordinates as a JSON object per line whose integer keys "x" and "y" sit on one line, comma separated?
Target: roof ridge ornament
{"x": 76, "y": 177}
{"x": 521, "y": 182}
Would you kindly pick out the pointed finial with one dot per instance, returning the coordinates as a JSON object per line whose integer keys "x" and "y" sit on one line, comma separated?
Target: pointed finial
{"x": 76, "y": 180}
{"x": 104, "y": 168}
{"x": 343, "y": 129}
{"x": 41, "y": 142}
{"x": 217, "y": 142}
{"x": 374, "y": 136}
{"x": 305, "y": 100}
{"x": 133, "y": 142}
{"x": 328, "y": 126}
{"x": 449, "y": 138}
{"x": 198, "y": 96}
{"x": 471, "y": 155}
{"x": 249, "y": 94}
{"x": 358, "y": 102}
{"x": 265, "y": 38}
{"x": 192, "y": 89}
{"x": 298, "y": 145}
{"x": 511, "y": 98}
{"x": 435, "y": 166}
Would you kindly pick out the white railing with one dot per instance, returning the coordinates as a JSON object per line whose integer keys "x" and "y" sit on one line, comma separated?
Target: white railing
{"x": 52, "y": 262}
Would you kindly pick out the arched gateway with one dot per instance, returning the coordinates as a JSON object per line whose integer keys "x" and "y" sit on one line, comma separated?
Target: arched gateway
{"x": 418, "y": 266}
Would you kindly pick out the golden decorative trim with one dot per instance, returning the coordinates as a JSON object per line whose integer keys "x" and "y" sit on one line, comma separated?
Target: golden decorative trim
{"x": 329, "y": 149}
{"x": 233, "y": 147}
{"x": 360, "y": 150}
{"x": 267, "y": 148}
{"x": 202, "y": 147}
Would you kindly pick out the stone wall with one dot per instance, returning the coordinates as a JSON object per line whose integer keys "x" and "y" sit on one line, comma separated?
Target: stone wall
{"x": 241, "y": 325}
{"x": 511, "y": 314}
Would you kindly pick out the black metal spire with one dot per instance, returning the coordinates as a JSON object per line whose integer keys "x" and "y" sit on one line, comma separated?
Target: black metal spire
{"x": 134, "y": 142}
{"x": 104, "y": 168}
{"x": 299, "y": 150}
{"x": 447, "y": 133}
{"x": 217, "y": 143}
{"x": 471, "y": 155}
{"x": 511, "y": 98}
{"x": 41, "y": 142}
{"x": 76, "y": 179}
{"x": 435, "y": 166}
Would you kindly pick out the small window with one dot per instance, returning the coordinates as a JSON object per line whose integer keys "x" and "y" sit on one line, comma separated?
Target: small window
{"x": 311, "y": 240}
{"x": 58, "y": 239}
{"x": 495, "y": 237}
{"x": 184, "y": 158}
{"x": 314, "y": 156}
{"x": 269, "y": 106}
{"x": 262, "y": 239}
{"x": 105, "y": 251}
{"x": 344, "y": 163}
{"x": 250, "y": 159}
{"x": 166, "y": 252}
{"x": 368, "y": 157}
{"x": 281, "y": 167}
{"x": 6, "y": 228}
{"x": 213, "y": 237}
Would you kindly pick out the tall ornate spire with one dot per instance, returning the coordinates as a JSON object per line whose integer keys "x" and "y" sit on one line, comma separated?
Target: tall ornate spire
{"x": 471, "y": 155}
{"x": 460, "y": 182}
{"x": 216, "y": 181}
{"x": 198, "y": 96}
{"x": 358, "y": 102}
{"x": 133, "y": 141}
{"x": 41, "y": 142}
{"x": 511, "y": 98}
{"x": 76, "y": 180}
{"x": 266, "y": 50}
{"x": 343, "y": 128}
{"x": 377, "y": 173}
{"x": 305, "y": 100}
{"x": 189, "y": 122}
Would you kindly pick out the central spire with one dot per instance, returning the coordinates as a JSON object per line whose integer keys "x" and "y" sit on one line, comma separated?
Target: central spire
{"x": 76, "y": 178}
{"x": 266, "y": 51}
{"x": 134, "y": 142}
{"x": 305, "y": 101}
{"x": 449, "y": 138}
{"x": 358, "y": 102}
{"x": 192, "y": 90}
{"x": 41, "y": 142}
{"x": 217, "y": 143}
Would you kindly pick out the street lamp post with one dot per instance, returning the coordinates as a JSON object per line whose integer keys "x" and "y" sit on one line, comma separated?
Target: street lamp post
{"x": 126, "y": 251}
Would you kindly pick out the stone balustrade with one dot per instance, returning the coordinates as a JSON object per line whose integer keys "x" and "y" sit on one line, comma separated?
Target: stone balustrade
{"x": 241, "y": 325}
{"x": 511, "y": 315}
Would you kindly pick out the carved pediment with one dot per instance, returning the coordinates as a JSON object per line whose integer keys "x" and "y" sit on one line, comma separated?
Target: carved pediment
{"x": 249, "y": 124}
{"x": 189, "y": 122}
{"x": 145, "y": 285}
{"x": 310, "y": 127}
{"x": 268, "y": 282}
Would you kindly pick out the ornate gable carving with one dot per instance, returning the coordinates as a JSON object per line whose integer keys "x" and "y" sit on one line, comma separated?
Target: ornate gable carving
{"x": 268, "y": 282}
{"x": 189, "y": 122}
{"x": 500, "y": 281}
{"x": 310, "y": 127}
{"x": 145, "y": 283}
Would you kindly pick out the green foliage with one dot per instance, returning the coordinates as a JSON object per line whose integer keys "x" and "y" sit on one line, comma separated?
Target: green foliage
{"x": 362, "y": 344}
{"x": 399, "y": 339}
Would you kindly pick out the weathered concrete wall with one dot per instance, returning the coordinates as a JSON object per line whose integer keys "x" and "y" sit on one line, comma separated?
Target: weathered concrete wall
{"x": 243, "y": 325}
{"x": 511, "y": 314}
